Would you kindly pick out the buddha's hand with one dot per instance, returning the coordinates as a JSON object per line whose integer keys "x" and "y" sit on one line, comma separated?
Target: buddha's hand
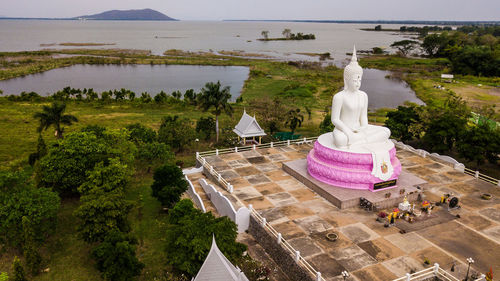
{"x": 354, "y": 137}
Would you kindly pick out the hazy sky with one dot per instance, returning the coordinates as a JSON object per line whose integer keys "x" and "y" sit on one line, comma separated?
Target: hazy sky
{"x": 267, "y": 9}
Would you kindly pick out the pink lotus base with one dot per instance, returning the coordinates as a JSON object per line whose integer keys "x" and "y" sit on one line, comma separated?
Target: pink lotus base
{"x": 346, "y": 169}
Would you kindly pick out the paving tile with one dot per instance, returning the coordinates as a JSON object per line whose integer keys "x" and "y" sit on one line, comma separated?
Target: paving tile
{"x": 327, "y": 265}
{"x": 402, "y": 265}
{"x": 289, "y": 230}
{"x": 376, "y": 272}
{"x": 290, "y": 184}
{"x": 250, "y": 154}
{"x": 268, "y": 188}
{"x": 257, "y": 179}
{"x": 336, "y": 219}
{"x": 238, "y": 163}
{"x": 258, "y": 160}
{"x": 278, "y": 158}
{"x": 305, "y": 246}
{"x": 278, "y": 175}
{"x": 475, "y": 221}
{"x": 381, "y": 249}
{"x": 272, "y": 215}
{"x": 421, "y": 171}
{"x": 493, "y": 233}
{"x": 491, "y": 213}
{"x": 319, "y": 205}
{"x": 247, "y": 171}
{"x": 230, "y": 156}
{"x": 380, "y": 229}
{"x": 358, "y": 232}
{"x": 352, "y": 258}
{"x": 295, "y": 211}
{"x": 229, "y": 175}
{"x": 408, "y": 242}
{"x": 247, "y": 192}
{"x": 268, "y": 151}
{"x": 313, "y": 224}
{"x": 268, "y": 167}
{"x": 328, "y": 245}
{"x": 259, "y": 203}
{"x": 433, "y": 255}
{"x": 281, "y": 199}
{"x": 303, "y": 194}
{"x": 463, "y": 242}
{"x": 238, "y": 182}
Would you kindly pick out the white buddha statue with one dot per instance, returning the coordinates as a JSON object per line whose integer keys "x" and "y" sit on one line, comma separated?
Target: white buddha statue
{"x": 350, "y": 112}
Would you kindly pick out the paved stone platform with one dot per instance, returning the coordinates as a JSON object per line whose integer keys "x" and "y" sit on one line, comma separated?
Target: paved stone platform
{"x": 347, "y": 198}
{"x": 304, "y": 218}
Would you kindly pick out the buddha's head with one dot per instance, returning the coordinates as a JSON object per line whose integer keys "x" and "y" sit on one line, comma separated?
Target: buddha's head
{"x": 353, "y": 74}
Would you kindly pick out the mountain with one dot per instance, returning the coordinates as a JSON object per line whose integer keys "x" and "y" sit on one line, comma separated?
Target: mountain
{"x": 144, "y": 14}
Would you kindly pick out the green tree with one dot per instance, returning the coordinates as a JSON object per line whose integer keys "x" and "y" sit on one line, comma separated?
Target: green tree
{"x": 145, "y": 97}
{"x": 103, "y": 206}
{"x": 445, "y": 124}
{"x": 176, "y": 132}
{"x": 405, "y": 46}
{"x": 168, "y": 185}
{"x": 64, "y": 168}
{"x": 18, "y": 270}
{"x": 402, "y": 120}
{"x": 434, "y": 43}
{"x": 30, "y": 248}
{"x": 205, "y": 126}
{"x": 19, "y": 199}
{"x": 190, "y": 96}
{"x": 286, "y": 32}
{"x": 479, "y": 143}
{"x": 141, "y": 133}
{"x": 326, "y": 125}
{"x": 3, "y": 275}
{"x": 115, "y": 257}
{"x": 270, "y": 112}
{"x": 41, "y": 150}
{"x": 212, "y": 96}
{"x": 294, "y": 119}
{"x": 265, "y": 34}
{"x": 189, "y": 237}
{"x": 54, "y": 116}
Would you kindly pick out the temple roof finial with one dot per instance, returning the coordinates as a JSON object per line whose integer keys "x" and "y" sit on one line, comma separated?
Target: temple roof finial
{"x": 354, "y": 58}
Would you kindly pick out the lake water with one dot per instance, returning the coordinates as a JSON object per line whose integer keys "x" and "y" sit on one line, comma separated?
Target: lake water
{"x": 157, "y": 36}
{"x": 138, "y": 78}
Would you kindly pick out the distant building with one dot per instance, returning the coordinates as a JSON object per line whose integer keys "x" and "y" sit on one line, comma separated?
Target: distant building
{"x": 218, "y": 268}
{"x": 248, "y": 128}
{"x": 447, "y": 77}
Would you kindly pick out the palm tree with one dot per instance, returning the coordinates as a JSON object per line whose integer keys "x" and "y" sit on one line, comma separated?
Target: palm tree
{"x": 54, "y": 115}
{"x": 212, "y": 96}
{"x": 294, "y": 119}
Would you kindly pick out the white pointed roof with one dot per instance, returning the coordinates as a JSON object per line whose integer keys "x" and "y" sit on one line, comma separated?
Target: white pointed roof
{"x": 218, "y": 268}
{"x": 248, "y": 127}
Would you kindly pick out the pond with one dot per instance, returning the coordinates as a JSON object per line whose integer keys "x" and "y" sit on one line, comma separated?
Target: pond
{"x": 382, "y": 92}
{"x": 138, "y": 78}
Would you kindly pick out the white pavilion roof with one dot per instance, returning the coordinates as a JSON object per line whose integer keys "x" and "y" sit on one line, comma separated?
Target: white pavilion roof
{"x": 248, "y": 127}
{"x": 218, "y": 268}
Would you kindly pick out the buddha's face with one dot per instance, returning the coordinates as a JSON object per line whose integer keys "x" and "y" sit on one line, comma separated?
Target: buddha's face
{"x": 354, "y": 82}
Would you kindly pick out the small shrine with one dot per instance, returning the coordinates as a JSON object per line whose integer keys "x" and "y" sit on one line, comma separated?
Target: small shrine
{"x": 248, "y": 128}
{"x": 217, "y": 267}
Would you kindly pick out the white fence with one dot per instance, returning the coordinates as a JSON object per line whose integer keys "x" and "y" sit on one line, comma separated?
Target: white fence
{"x": 456, "y": 165}
{"x": 195, "y": 196}
{"x": 225, "y": 208}
{"x": 434, "y": 271}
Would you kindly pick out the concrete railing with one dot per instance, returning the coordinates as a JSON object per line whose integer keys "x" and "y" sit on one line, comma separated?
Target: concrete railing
{"x": 195, "y": 196}
{"x": 224, "y": 207}
{"x": 434, "y": 271}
